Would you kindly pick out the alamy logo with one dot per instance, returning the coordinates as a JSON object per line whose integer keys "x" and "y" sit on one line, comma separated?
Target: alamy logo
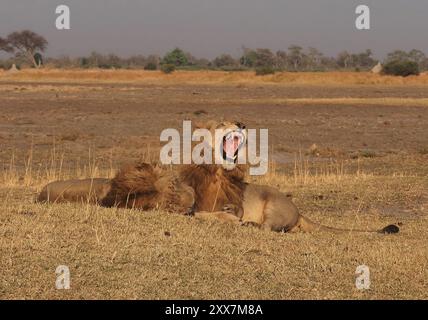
{"x": 361, "y": 23}
{"x": 63, "y": 20}
{"x": 362, "y": 282}
{"x": 63, "y": 277}
{"x": 227, "y": 146}
{"x": 363, "y": 20}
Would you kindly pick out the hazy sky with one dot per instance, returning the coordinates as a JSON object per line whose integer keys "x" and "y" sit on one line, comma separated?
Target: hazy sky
{"x": 207, "y": 28}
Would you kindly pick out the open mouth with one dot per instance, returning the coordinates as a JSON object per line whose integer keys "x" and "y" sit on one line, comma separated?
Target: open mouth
{"x": 232, "y": 142}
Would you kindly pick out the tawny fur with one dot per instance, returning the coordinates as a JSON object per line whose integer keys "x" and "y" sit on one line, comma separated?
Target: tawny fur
{"x": 213, "y": 191}
{"x": 214, "y": 186}
{"x": 148, "y": 187}
{"x": 140, "y": 186}
{"x": 85, "y": 191}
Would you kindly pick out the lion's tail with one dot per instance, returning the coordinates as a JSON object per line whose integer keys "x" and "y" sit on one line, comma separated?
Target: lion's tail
{"x": 307, "y": 225}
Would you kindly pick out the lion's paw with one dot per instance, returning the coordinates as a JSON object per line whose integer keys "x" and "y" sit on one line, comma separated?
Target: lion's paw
{"x": 230, "y": 208}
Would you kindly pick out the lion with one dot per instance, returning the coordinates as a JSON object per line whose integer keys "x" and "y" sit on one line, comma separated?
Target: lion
{"x": 147, "y": 187}
{"x": 212, "y": 191}
{"x": 140, "y": 186}
{"x": 86, "y": 190}
{"x": 222, "y": 193}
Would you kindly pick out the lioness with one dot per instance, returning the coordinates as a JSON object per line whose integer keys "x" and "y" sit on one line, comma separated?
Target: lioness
{"x": 222, "y": 193}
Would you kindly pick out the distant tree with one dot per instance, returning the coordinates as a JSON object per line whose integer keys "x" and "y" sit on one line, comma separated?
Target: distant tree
{"x": 95, "y": 60}
{"x": 402, "y": 68}
{"x": 191, "y": 60}
{"x": 396, "y": 55}
{"x": 139, "y": 61}
{"x": 63, "y": 62}
{"x": 224, "y": 60}
{"x": 361, "y": 60}
{"x": 257, "y": 58}
{"x": 424, "y": 64}
{"x": 417, "y": 56}
{"x": 413, "y": 55}
{"x": 26, "y": 44}
{"x": 329, "y": 63}
{"x": 176, "y": 57}
{"x": 202, "y": 63}
{"x": 195, "y": 62}
{"x": 110, "y": 61}
{"x": 152, "y": 62}
{"x": 264, "y": 58}
{"x": 295, "y": 56}
{"x": 5, "y": 46}
{"x": 84, "y": 62}
{"x": 314, "y": 58}
{"x": 248, "y": 58}
{"x": 344, "y": 59}
{"x": 281, "y": 60}
{"x": 364, "y": 59}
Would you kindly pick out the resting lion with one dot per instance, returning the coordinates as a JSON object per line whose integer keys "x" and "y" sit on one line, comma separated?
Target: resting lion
{"x": 140, "y": 186}
{"x": 213, "y": 191}
{"x": 221, "y": 193}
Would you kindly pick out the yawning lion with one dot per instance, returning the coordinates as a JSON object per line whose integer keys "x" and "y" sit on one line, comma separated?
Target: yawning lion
{"x": 212, "y": 191}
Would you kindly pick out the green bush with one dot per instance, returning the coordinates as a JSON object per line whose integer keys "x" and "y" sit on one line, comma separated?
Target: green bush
{"x": 262, "y": 71}
{"x": 168, "y": 68}
{"x": 151, "y": 66}
{"x": 176, "y": 57}
{"x": 402, "y": 68}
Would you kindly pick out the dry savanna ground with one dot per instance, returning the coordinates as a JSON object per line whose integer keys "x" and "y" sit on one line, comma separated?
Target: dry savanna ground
{"x": 351, "y": 147}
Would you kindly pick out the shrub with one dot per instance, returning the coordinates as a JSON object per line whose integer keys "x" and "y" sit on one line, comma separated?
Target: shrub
{"x": 168, "y": 68}
{"x": 225, "y": 60}
{"x": 176, "y": 57}
{"x": 402, "y": 68}
{"x": 262, "y": 71}
{"x": 151, "y": 66}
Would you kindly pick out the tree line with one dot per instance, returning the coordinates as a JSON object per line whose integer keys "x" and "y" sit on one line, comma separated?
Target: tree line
{"x": 26, "y": 49}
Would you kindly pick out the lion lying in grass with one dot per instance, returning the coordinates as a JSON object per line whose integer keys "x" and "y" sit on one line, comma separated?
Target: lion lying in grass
{"x": 208, "y": 191}
{"x": 140, "y": 186}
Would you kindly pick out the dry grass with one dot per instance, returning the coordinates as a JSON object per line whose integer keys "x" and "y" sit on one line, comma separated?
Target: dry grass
{"x": 126, "y": 254}
{"x": 32, "y": 175}
{"x": 129, "y": 254}
{"x": 210, "y": 77}
{"x": 79, "y": 130}
{"x": 390, "y": 101}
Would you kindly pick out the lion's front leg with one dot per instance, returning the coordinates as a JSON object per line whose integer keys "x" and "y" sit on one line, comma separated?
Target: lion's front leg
{"x": 233, "y": 209}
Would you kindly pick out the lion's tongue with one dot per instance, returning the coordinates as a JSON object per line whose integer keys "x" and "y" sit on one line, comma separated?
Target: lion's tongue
{"x": 230, "y": 146}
